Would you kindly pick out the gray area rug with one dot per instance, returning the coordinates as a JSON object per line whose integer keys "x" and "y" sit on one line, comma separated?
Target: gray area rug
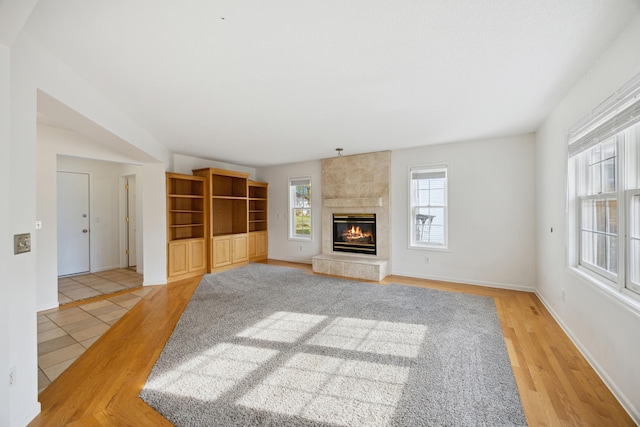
{"x": 266, "y": 345}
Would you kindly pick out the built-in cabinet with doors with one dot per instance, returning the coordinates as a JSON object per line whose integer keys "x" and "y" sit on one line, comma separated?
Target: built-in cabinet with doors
{"x": 187, "y": 225}
{"x": 237, "y": 219}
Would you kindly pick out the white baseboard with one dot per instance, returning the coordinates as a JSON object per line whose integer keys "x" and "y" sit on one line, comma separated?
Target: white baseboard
{"x": 31, "y": 415}
{"x": 98, "y": 270}
{"x": 600, "y": 371}
{"x": 48, "y": 306}
{"x": 298, "y": 260}
{"x": 467, "y": 281}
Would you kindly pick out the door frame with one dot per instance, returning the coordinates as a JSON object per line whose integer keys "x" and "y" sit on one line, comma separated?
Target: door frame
{"x": 122, "y": 213}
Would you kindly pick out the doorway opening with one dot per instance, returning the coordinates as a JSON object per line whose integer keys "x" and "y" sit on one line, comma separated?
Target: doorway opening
{"x": 111, "y": 214}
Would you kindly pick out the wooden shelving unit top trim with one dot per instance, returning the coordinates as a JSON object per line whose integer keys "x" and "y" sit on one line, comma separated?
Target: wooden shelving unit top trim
{"x": 184, "y": 177}
{"x": 223, "y": 172}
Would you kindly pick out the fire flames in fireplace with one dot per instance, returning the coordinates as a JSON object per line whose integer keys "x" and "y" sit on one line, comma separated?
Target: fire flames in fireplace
{"x": 354, "y": 233}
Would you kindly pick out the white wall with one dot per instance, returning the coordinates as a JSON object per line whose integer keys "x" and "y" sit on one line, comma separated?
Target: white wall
{"x": 491, "y": 213}
{"x": 6, "y": 255}
{"x": 280, "y": 247}
{"x": 154, "y": 223}
{"x": 185, "y": 164}
{"x": 605, "y": 330}
{"x": 21, "y": 304}
{"x": 33, "y": 68}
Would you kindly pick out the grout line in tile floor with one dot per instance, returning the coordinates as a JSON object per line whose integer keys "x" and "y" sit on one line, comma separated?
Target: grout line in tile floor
{"x": 64, "y": 333}
{"x": 89, "y": 285}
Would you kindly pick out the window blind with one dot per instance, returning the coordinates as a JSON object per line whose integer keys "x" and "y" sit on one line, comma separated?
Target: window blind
{"x": 300, "y": 182}
{"x": 421, "y": 174}
{"x": 618, "y": 112}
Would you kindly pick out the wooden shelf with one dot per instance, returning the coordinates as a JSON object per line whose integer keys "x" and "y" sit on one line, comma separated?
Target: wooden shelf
{"x": 229, "y": 198}
{"x": 186, "y": 226}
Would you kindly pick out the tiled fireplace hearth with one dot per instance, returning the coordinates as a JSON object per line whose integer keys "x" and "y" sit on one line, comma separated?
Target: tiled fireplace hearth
{"x": 355, "y": 186}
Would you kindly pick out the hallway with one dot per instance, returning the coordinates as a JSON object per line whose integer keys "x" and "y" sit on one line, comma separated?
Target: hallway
{"x": 89, "y": 285}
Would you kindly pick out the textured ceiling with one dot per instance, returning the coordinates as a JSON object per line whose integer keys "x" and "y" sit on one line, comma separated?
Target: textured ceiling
{"x": 264, "y": 83}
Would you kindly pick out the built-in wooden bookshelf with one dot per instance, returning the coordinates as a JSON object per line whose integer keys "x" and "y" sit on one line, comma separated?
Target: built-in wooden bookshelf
{"x": 216, "y": 219}
{"x": 258, "y": 220}
{"x": 186, "y": 225}
{"x": 232, "y": 217}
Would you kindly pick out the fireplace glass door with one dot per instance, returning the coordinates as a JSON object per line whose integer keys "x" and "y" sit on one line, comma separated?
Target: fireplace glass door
{"x": 354, "y": 233}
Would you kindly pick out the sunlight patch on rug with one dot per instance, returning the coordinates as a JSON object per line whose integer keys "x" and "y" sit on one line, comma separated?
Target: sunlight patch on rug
{"x": 331, "y": 390}
{"x": 207, "y": 376}
{"x": 282, "y": 327}
{"x": 395, "y": 339}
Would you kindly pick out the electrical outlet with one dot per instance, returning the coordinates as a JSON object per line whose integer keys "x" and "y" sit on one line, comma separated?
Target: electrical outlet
{"x": 562, "y": 295}
{"x": 427, "y": 260}
{"x": 12, "y": 376}
{"x": 300, "y": 248}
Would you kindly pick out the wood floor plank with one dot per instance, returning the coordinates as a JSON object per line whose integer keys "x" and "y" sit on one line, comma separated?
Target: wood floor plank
{"x": 556, "y": 384}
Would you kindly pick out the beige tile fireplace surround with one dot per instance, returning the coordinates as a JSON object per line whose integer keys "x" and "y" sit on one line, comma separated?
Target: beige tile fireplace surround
{"x": 354, "y": 185}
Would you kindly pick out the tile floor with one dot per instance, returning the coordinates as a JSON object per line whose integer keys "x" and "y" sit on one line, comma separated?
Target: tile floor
{"x": 65, "y": 333}
{"x": 89, "y": 285}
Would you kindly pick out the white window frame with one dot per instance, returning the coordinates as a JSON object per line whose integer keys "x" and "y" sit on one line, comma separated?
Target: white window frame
{"x": 413, "y": 207}
{"x": 611, "y": 119}
{"x": 292, "y": 208}
{"x": 618, "y": 196}
{"x": 633, "y": 286}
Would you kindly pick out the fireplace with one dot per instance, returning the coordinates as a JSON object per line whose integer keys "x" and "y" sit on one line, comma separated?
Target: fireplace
{"x": 354, "y": 233}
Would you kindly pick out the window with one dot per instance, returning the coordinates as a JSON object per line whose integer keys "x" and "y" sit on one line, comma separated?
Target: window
{"x": 428, "y": 207}
{"x": 300, "y": 208}
{"x": 604, "y": 159}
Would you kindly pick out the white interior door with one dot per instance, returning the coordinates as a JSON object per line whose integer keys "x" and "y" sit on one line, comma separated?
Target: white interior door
{"x": 73, "y": 223}
{"x": 131, "y": 220}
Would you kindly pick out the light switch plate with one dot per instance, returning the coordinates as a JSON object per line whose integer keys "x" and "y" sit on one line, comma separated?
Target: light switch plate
{"x": 21, "y": 243}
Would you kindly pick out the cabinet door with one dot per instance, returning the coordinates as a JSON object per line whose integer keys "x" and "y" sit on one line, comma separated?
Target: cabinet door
{"x": 178, "y": 258}
{"x": 262, "y": 244}
{"x": 197, "y": 255}
{"x": 240, "y": 248}
{"x": 221, "y": 252}
{"x": 252, "y": 245}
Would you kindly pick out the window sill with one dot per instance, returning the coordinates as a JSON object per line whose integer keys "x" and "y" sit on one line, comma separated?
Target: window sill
{"x": 623, "y": 297}
{"x": 431, "y": 248}
{"x": 300, "y": 239}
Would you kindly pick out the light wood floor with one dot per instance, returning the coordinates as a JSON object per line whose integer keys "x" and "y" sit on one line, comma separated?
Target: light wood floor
{"x": 557, "y": 386}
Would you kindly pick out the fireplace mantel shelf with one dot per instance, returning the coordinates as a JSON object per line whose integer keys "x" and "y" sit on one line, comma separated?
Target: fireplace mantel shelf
{"x": 356, "y": 202}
